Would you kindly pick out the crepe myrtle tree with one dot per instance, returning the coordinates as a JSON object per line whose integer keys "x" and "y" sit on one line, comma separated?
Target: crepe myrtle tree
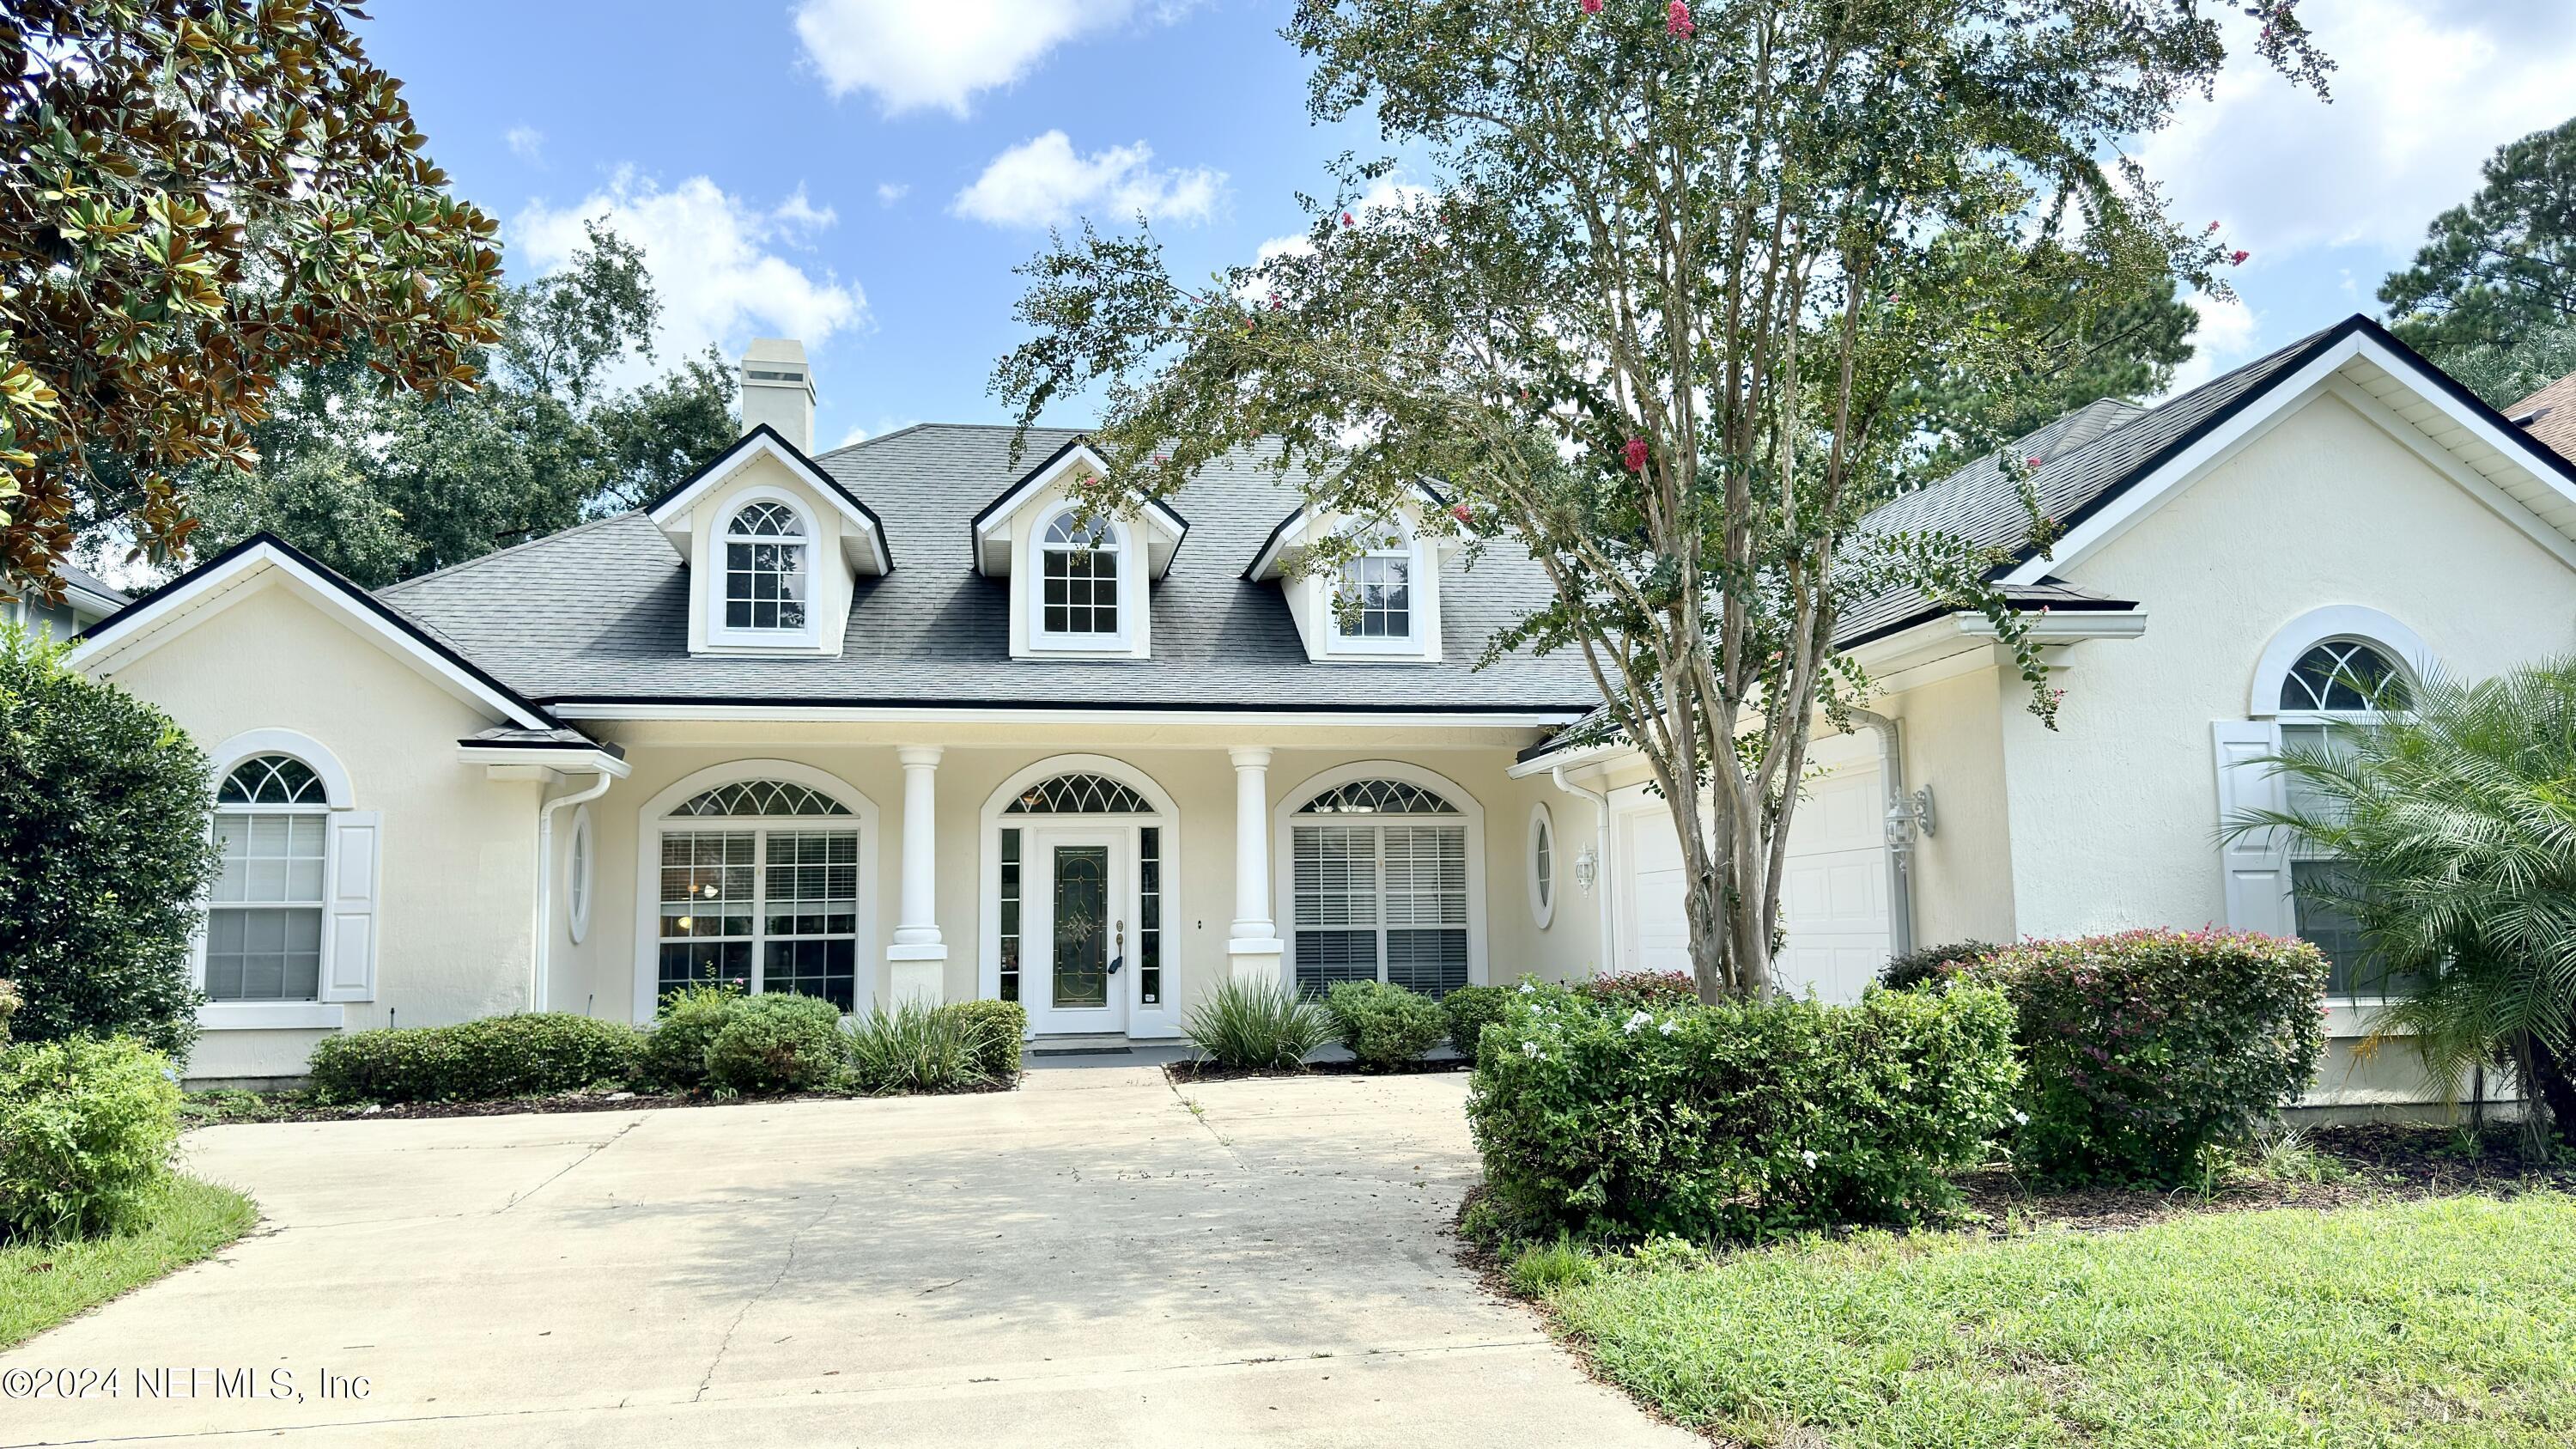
{"x": 197, "y": 196}
{"x": 1664, "y": 319}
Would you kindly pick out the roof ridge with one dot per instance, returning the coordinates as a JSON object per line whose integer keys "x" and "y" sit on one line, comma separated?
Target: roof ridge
{"x": 480, "y": 559}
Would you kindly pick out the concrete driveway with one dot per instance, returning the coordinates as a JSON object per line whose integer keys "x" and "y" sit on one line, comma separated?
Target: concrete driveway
{"x": 1085, "y": 1261}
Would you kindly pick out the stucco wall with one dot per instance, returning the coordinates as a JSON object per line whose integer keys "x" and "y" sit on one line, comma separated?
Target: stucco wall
{"x": 1190, "y": 763}
{"x": 456, "y": 888}
{"x": 1960, "y": 879}
{"x": 2114, "y": 814}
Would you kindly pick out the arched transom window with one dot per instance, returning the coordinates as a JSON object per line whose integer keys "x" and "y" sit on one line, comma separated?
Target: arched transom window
{"x": 760, "y": 889}
{"x": 1078, "y": 577}
{"x": 264, "y": 921}
{"x": 767, "y": 565}
{"x": 1379, "y": 876}
{"x": 2342, "y": 676}
{"x": 1078, "y": 794}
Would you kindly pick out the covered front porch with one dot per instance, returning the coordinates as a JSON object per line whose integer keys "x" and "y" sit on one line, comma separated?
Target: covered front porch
{"x": 1106, "y": 878}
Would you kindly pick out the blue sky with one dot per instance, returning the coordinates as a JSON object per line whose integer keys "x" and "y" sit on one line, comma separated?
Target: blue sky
{"x": 863, "y": 174}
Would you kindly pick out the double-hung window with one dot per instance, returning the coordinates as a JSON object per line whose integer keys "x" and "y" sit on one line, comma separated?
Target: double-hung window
{"x": 264, "y": 920}
{"x": 1373, "y": 596}
{"x": 1380, "y": 887}
{"x": 760, "y": 890}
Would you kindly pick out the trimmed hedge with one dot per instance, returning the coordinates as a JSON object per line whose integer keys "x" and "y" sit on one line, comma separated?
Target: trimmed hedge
{"x": 1470, "y": 1010}
{"x": 497, "y": 1056}
{"x": 998, "y": 1028}
{"x": 1904, "y": 973}
{"x": 1739, "y": 1119}
{"x": 778, "y": 1042}
{"x": 1651, "y": 990}
{"x": 2143, "y": 1048}
{"x": 1384, "y": 1025}
{"x": 86, "y": 1128}
{"x": 674, "y": 1055}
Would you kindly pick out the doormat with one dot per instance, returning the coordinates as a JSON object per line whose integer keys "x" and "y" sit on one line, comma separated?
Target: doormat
{"x": 1098, "y": 1051}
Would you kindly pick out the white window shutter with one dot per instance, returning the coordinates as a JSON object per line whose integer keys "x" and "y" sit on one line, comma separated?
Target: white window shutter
{"x": 349, "y": 906}
{"x": 2255, "y": 865}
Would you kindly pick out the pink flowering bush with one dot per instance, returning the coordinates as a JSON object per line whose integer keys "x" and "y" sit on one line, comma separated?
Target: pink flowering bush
{"x": 2141, "y": 1049}
{"x": 1644, "y": 988}
{"x": 1742, "y": 1120}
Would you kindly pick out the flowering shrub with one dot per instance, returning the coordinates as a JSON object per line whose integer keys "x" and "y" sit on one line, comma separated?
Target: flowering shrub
{"x": 2140, "y": 1049}
{"x": 1739, "y": 1119}
{"x": 1644, "y": 988}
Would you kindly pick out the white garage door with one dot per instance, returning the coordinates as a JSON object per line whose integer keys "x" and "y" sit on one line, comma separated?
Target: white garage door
{"x": 1833, "y": 896}
{"x": 1654, "y": 935}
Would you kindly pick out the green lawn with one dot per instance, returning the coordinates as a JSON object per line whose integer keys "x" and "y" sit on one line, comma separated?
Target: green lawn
{"x": 2443, "y": 1322}
{"x": 41, "y": 1284}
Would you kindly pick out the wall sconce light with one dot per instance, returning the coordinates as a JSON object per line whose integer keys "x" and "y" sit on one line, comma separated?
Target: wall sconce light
{"x": 1908, "y": 815}
{"x": 1587, "y": 865}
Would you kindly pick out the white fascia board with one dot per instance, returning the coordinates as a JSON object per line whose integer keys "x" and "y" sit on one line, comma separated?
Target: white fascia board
{"x": 1939, "y": 638}
{"x": 562, "y": 761}
{"x": 899, "y": 714}
{"x": 2321, "y": 375}
{"x": 861, "y": 540}
{"x": 141, "y": 629}
{"x": 1163, "y": 528}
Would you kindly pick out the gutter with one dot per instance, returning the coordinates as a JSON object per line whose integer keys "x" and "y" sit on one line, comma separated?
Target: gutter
{"x": 538, "y": 958}
{"x": 1601, "y": 863}
{"x": 1891, "y": 780}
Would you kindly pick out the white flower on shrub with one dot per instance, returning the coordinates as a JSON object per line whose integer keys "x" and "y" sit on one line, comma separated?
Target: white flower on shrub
{"x": 1637, "y": 1021}
{"x": 2020, "y": 1117}
{"x": 1529, "y": 1048}
{"x": 1671, "y": 1025}
{"x": 1809, "y": 1156}
{"x": 1526, "y": 988}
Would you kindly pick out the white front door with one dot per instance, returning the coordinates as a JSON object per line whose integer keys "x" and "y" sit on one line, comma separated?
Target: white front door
{"x": 1079, "y": 928}
{"x": 1833, "y": 889}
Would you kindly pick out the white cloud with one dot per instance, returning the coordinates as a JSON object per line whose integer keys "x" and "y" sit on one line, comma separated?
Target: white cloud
{"x": 1042, "y": 182}
{"x": 915, "y": 56}
{"x": 854, "y": 435}
{"x": 2224, "y": 338}
{"x": 713, "y": 258}
{"x": 2424, "y": 90}
{"x": 1383, "y": 192}
{"x": 890, "y": 192}
{"x": 527, "y": 143}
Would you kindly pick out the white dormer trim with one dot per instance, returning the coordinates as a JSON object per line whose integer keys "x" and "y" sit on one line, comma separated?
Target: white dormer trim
{"x": 996, "y": 528}
{"x": 863, "y": 540}
{"x": 722, "y": 634}
{"x": 1312, "y": 600}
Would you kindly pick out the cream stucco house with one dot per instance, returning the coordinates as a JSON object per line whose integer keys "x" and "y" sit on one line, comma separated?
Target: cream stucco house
{"x": 892, "y": 721}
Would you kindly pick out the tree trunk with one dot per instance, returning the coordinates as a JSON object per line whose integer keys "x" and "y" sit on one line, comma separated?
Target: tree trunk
{"x": 2545, "y": 1082}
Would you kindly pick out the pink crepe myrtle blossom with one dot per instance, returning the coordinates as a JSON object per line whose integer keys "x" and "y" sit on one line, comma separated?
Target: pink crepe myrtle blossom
{"x": 1458, "y": 511}
{"x": 1677, "y": 21}
{"x": 2238, "y": 259}
{"x": 1634, "y": 455}
{"x": 1346, "y": 219}
{"x": 1591, "y": 7}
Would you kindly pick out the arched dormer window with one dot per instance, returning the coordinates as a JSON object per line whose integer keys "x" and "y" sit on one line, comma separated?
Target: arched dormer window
{"x": 768, "y": 573}
{"x": 1078, "y": 578}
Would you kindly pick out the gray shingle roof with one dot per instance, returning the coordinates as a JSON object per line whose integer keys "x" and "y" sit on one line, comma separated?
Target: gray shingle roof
{"x": 600, "y": 611}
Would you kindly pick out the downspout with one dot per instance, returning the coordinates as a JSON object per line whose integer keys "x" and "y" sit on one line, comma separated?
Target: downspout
{"x": 1600, "y": 864}
{"x": 546, "y": 881}
{"x": 1891, "y": 779}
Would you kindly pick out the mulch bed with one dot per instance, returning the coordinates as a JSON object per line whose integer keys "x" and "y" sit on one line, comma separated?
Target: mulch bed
{"x": 1183, "y": 1073}
{"x": 288, "y": 1108}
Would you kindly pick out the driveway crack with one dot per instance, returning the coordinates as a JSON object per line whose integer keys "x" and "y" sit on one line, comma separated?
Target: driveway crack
{"x": 785, "y": 1266}
{"x": 600, "y": 1147}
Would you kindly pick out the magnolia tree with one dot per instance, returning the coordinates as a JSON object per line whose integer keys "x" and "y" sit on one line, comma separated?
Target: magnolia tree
{"x": 1666, "y": 318}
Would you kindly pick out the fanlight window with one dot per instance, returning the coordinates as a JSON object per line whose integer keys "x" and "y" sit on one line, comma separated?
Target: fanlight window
{"x": 768, "y": 798}
{"x": 2342, "y": 676}
{"x": 1079, "y": 576}
{"x": 1378, "y": 797}
{"x": 765, "y": 550}
{"x": 1079, "y": 794}
{"x": 271, "y": 780}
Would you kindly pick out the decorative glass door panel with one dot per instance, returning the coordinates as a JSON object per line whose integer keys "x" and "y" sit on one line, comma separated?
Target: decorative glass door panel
{"x": 1082, "y": 926}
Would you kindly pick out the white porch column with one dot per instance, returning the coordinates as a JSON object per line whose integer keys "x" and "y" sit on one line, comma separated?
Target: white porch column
{"x": 1253, "y": 944}
{"x": 917, "y": 962}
